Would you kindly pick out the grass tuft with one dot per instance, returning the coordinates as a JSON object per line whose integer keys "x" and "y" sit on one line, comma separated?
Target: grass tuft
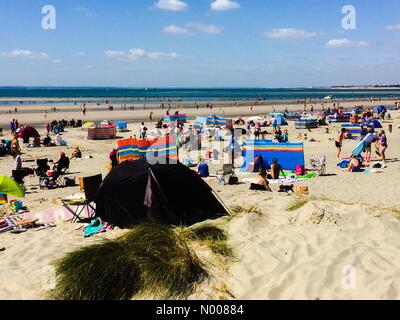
{"x": 248, "y": 209}
{"x": 151, "y": 259}
{"x": 297, "y": 204}
{"x": 210, "y": 236}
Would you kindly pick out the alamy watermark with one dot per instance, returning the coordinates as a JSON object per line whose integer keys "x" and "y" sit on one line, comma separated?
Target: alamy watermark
{"x": 49, "y": 21}
{"x": 349, "y": 21}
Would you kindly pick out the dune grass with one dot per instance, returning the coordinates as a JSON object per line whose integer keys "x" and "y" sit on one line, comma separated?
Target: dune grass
{"x": 151, "y": 259}
{"x": 248, "y": 209}
{"x": 297, "y": 204}
{"x": 211, "y": 236}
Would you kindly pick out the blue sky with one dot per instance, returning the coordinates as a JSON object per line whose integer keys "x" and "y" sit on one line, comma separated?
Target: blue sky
{"x": 199, "y": 43}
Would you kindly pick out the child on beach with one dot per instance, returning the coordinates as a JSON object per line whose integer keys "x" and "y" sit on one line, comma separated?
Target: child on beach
{"x": 339, "y": 142}
{"x": 382, "y": 145}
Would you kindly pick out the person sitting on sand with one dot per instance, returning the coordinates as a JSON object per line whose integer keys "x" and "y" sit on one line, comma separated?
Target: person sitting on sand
{"x": 77, "y": 153}
{"x": 260, "y": 182}
{"x": 339, "y": 142}
{"x": 276, "y": 169}
{"x": 46, "y": 141}
{"x": 15, "y": 148}
{"x": 285, "y": 136}
{"x": 113, "y": 156}
{"x": 278, "y": 134}
{"x": 354, "y": 165}
{"x": 203, "y": 170}
{"x": 62, "y": 163}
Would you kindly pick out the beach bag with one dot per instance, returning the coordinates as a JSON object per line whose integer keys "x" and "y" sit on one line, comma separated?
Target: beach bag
{"x": 301, "y": 191}
{"x": 233, "y": 181}
{"x": 300, "y": 170}
{"x": 69, "y": 181}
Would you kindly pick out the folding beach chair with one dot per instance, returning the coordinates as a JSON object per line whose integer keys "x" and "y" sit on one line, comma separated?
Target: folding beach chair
{"x": 18, "y": 176}
{"x": 42, "y": 167}
{"x": 61, "y": 171}
{"x": 226, "y": 174}
{"x": 319, "y": 164}
{"x": 91, "y": 185}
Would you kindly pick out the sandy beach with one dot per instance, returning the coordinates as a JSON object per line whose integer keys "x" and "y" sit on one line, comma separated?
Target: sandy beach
{"x": 35, "y": 114}
{"x": 348, "y": 227}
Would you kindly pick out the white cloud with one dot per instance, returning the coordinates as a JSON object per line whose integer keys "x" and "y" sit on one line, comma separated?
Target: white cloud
{"x": 172, "y": 5}
{"x": 81, "y": 9}
{"x": 79, "y": 54}
{"x": 139, "y": 54}
{"x": 340, "y": 43}
{"x": 86, "y": 11}
{"x": 205, "y": 28}
{"x": 176, "y": 30}
{"x": 24, "y": 54}
{"x": 290, "y": 33}
{"x": 57, "y": 61}
{"x": 223, "y": 5}
{"x": 394, "y": 27}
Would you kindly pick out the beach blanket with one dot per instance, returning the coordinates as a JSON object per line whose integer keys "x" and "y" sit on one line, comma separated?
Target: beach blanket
{"x": 278, "y": 181}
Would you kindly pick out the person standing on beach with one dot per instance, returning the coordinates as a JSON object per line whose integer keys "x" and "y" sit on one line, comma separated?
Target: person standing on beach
{"x": 143, "y": 131}
{"x": 274, "y": 123}
{"x": 151, "y": 116}
{"x": 339, "y": 142}
{"x": 382, "y": 145}
{"x": 374, "y": 138}
{"x": 12, "y": 126}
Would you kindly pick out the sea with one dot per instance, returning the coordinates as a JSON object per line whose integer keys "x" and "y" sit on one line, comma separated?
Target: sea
{"x": 54, "y": 95}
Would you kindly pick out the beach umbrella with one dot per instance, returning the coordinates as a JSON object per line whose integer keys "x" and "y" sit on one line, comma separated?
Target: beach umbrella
{"x": 10, "y": 187}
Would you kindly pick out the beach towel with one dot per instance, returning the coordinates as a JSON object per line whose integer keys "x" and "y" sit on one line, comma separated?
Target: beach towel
{"x": 344, "y": 164}
{"x": 96, "y": 226}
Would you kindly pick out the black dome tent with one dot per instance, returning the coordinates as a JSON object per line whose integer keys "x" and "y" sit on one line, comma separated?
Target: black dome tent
{"x": 166, "y": 193}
